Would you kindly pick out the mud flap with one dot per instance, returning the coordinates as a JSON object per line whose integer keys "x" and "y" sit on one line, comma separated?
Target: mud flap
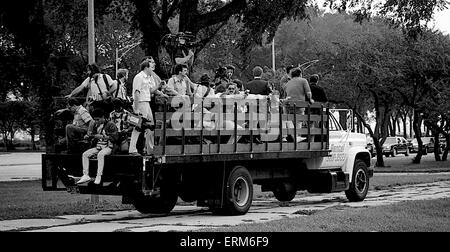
{"x": 328, "y": 182}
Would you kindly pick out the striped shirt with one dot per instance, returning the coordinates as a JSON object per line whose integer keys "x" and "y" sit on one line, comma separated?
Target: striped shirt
{"x": 81, "y": 117}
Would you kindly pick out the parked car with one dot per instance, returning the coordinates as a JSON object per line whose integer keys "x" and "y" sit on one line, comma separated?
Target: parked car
{"x": 428, "y": 145}
{"x": 395, "y": 145}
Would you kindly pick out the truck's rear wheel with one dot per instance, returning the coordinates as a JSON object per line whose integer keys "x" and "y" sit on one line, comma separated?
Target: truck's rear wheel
{"x": 285, "y": 191}
{"x": 157, "y": 205}
{"x": 360, "y": 182}
{"x": 238, "y": 194}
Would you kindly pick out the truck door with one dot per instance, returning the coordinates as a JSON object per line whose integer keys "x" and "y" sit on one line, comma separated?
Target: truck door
{"x": 338, "y": 144}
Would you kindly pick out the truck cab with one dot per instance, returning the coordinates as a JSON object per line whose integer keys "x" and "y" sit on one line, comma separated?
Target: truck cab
{"x": 301, "y": 146}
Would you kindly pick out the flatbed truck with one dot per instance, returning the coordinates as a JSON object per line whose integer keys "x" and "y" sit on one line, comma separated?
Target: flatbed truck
{"x": 296, "y": 150}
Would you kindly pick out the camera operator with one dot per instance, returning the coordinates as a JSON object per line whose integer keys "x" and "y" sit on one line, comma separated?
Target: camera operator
{"x": 184, "y": 55}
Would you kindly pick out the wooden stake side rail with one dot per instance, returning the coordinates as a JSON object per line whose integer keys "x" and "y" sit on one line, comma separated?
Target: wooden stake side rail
{"x": 186, "y": 142}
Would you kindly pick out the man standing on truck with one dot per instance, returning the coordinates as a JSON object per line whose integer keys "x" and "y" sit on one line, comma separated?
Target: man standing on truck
{"x": 258, "y": 86}
{"x": 145, "y": 83}
{"x": 98, "y": 85}
{"x": 298, "y": 88}
{"x": 318, "y": 93}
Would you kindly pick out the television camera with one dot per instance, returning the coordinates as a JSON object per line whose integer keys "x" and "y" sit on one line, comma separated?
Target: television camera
{"x": 174, "y": 40}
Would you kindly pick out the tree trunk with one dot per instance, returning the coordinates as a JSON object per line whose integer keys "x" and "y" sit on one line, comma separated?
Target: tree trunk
{"x": 447, "y": 147}
{"x": 405, "y": 133}
{"x": 411, "y": 126}
{"x": 437, "y": 149}
{"x": 32, "y": 134}
{"x": 5, "y": 140}
{"x": 418, "y": 135}
{"x": 376, "y": 140}
{"x": 391, "y": 128}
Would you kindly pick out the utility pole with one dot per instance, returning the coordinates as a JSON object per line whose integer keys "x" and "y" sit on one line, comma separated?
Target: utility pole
{"x": 273, "y": 55}
{"x": 91, "y": 32}
{"x": 91, "y": 57}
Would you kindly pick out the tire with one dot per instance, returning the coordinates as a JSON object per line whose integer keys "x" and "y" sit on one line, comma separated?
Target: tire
{"x": 285, "y": 191}
{"x": 187, "y": 195}
{"x": 157, "y": 205}
{"x": 360, "y": 182}
{"x": 238, "y": 194}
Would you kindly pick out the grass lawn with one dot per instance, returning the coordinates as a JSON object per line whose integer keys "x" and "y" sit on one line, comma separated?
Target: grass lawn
{"x": 27, "y": 200}
{"x": 21, "y": 200}
{"x": 411, "y": 216}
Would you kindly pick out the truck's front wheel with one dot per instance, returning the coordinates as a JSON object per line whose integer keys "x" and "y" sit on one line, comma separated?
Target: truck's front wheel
{"x": 238, "y": 193}
{"x": 360, "y": 182}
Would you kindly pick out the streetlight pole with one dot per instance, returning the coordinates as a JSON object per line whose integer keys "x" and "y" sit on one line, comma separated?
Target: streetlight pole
{"x": 95, "y": 199}
{"x": 273, "y": 55}
{"x": 91, "y": 32}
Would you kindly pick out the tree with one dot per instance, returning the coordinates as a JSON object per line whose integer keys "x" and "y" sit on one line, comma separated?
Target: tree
{"x": 11, "y": 118}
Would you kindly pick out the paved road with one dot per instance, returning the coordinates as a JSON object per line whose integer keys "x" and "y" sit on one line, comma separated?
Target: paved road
{"x": 27, "y": 166}
{"x": 188, "y": 218}
{"x": 20, "y": 166}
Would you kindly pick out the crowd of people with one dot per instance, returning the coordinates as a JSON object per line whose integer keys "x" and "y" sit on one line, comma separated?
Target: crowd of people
{"x": 102, "y": 119}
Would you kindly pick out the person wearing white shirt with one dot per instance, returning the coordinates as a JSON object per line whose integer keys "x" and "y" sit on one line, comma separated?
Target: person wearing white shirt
{"x": 145, "y": 83}
{"x": 98, "y": 85}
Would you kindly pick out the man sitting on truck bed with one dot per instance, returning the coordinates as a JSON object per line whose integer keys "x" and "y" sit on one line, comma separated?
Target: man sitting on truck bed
{"x": 81, "y": 121}
{"x": 106, "y": 134}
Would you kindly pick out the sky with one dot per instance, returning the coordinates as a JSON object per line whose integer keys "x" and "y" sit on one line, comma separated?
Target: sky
{"x": 442, "y": 21}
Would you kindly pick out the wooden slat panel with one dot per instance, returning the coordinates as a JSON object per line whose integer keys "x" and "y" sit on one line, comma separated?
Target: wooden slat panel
{"x": 242, "y": 132}
{"x": 241, "y": 116}
{"x": 174, "y": 150}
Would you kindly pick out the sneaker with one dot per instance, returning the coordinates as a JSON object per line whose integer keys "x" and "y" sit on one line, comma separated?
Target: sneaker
{"x": 135, "y": 154}
{"x": 98, "y": 180}
{"x": 84, "y": 179}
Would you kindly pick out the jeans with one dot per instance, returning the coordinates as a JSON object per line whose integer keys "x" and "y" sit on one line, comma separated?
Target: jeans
{"x": 100, "y": 159}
